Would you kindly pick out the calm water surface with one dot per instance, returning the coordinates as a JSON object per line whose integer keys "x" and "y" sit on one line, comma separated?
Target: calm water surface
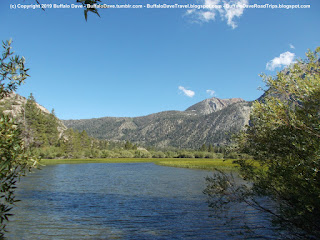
{"x": 117, "y": 201}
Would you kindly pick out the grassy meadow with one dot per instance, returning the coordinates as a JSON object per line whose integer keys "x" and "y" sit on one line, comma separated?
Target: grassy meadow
{"x": 193, "y": 163}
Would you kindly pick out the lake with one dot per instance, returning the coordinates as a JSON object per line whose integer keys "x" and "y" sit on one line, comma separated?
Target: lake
{"x": 119, "y": 201}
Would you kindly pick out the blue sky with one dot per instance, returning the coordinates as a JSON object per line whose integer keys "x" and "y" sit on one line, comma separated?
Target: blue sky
{"x": 134, "y": 62}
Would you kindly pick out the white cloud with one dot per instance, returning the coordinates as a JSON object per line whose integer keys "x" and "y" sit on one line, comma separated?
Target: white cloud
{"x": 231, "y": 13}
{"x": 210, "y": 92}
{"x": 207, "y": 16}
{"x": 230, "y": 9}
{"x": 188, "y": 93}
{"x": 284, "y": 59}
{"x": 291, "y": 46}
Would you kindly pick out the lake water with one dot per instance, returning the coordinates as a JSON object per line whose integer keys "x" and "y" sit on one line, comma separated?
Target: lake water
{"x": 118, "y": 201}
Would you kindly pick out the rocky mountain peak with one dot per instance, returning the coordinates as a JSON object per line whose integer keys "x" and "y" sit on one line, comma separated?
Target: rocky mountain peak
{"x": 211, "y": 105}
{"x": 16, "y": 104}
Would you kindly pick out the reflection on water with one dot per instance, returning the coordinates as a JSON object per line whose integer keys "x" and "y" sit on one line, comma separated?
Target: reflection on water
{"x": 117, "y": 201}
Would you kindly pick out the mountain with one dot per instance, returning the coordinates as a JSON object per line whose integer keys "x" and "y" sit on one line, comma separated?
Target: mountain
{"x": 211, "y": 105}
{"x": 39, "y": 127}
{"x": 211, "y": 121}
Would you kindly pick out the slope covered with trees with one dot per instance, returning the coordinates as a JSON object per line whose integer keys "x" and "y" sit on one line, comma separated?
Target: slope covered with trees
{"x": 43, "y": 133}
{"x": 212, "y": 121}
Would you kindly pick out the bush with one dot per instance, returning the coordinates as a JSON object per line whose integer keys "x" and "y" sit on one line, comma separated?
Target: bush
{"x": 199, "y": 154}
{"x": 185, "y": 154}
{"x": 158, "y": 155}
{"x": 126, "y": 154}
{"x": 142, "y": 154}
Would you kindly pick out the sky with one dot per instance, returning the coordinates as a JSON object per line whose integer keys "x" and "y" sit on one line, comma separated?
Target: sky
{"x": 136, "y": 61}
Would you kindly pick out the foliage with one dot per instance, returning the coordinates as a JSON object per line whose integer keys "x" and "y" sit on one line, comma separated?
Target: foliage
{"x": 86, "y": 10}
{"x": 15, "y": 161}
{"x": 203, "y": 148}
{"x": 284, "y": 138}
{"x": 84, "y": 4}
{"x": 12, "y": 70}
{"x": 130, "y": 146}
{"x": 40, "y": 128}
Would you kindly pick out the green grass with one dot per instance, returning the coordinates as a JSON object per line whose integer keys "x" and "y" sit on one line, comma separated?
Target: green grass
{"x": 193, "y": 163}
{"x": 208, "y": 164}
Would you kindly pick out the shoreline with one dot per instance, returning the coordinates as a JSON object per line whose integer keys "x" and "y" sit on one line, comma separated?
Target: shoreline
{"x": 191, "y": 163}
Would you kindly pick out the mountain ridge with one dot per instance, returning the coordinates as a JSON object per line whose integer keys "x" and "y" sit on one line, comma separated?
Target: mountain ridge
{"x": 211, "y": 121}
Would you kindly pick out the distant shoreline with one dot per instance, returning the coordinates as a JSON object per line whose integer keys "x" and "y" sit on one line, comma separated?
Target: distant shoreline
{"x": 191, "y": 163}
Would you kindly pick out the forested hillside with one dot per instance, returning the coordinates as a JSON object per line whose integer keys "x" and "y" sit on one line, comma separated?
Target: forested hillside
{"x": 211, "y": 121}
{"x": 43, "y": 133}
